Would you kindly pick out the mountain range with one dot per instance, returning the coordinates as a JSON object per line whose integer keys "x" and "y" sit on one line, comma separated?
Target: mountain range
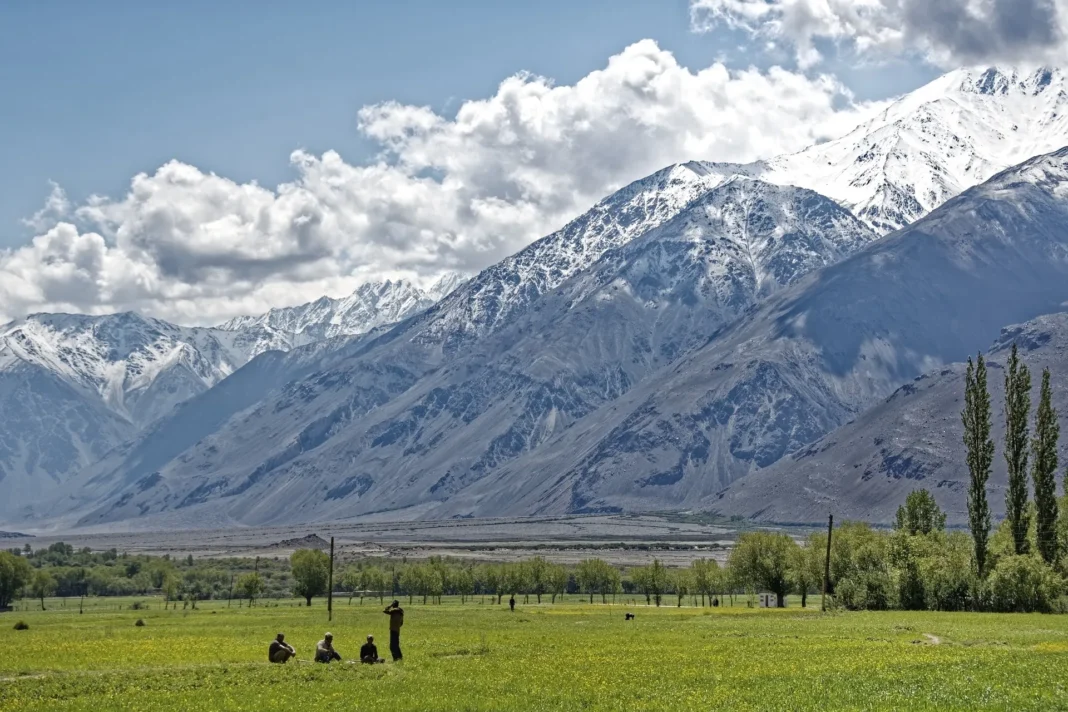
{"x": 678, "y": 341}
{"x": 72, "y": 387}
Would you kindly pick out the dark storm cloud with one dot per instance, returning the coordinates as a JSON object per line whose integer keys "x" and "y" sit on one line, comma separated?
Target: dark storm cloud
{"x": 1003, "y": 29}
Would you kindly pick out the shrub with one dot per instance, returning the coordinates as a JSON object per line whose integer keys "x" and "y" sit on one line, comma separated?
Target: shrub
{"x": 139, "y": 623}
{"x": 1022, "y": 584}
{"x": 869, "y": 590}
{"x": 910, "y": 589}
{"x": 22, "y": 625}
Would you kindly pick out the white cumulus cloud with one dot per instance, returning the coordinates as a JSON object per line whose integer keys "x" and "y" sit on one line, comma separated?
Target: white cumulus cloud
{"x": 443, "y": 194}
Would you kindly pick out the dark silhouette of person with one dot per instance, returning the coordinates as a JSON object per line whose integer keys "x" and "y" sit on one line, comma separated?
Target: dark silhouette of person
{"x": 369, "y": 652}
{"x": 396, "y": 620}
{"x": 715, "y": 603}
{"x": 511, "y": 603}
{"x": 280, "y": 651}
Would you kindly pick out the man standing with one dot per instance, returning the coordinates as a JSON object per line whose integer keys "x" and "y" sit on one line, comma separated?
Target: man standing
{"x": 396, "y": 620}
{"x": 324, "y": 650}
{"x": 369, "y": 652}
{"x": 511, "y": 603}
{"x": 280, "y": 651}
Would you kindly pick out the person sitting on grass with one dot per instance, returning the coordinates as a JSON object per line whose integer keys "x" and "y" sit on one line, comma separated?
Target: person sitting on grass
{"x": 369, "y": 652}
{"x": 324, "y": 649}
{"x": 280, "y": 651}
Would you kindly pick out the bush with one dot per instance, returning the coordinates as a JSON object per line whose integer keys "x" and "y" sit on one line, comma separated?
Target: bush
{"x": 866, "y": 591}
{"x": 22, "y": 625}
{"x": 1022, "y": 584}
{"x": 910, "y": 590}
{"x": 139, "y": 623}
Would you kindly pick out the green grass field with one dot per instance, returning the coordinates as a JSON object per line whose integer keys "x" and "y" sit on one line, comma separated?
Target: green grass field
{"x": 570, "y": 656}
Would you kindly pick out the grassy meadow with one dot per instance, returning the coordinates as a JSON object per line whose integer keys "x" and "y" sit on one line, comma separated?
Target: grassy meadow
{"x": 567, "y": 656}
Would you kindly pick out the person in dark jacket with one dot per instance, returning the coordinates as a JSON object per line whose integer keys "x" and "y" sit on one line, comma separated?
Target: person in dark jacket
{"x": 369, "y": 652}
{"x": 511, "y": 604}
{"x": 396, "y": 620}
{"x": 280, "y": 651}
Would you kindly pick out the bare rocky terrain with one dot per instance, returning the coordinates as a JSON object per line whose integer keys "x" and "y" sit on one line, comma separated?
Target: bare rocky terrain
{"x": 625, "y": 540}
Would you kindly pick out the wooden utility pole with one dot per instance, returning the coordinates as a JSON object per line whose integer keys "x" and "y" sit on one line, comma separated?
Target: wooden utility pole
{"x": 827, "y": 563}
{"x": 230, "y": 596}
{"x": 330, "y": 585}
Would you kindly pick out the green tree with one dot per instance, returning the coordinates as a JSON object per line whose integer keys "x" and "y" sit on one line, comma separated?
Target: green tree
{"x": 1017, "y": 446}
{"x": 15, "y": 572}
{"x": 310, "y": 569}
{"x": 171, "y": 587}
{"x": 493, "y": 580}
{"x": 651, "y": 581}
{"x": 657, "y": 575}
{"x": 806, "y": 573}
{"x": 352, "y": 581}
{"x": 250, "y": 586}
{"x": 537, "y": 572}
{"x": 42, "y": 584}
{"x": 377, "y": 580}
{"x": 588, "y": 576}
{"x": 464, "y": 581}
{"x": 920, "y": 514}
{"x": 1022, "y": 584}
{"x": 1043, "y": 473}
{"x": 762, "y": 560}
{"x": 980, "y": 456}
{"x": 682, "y": 583}
{"x": 557, "y": 577}
{"x": 702, "y": 575}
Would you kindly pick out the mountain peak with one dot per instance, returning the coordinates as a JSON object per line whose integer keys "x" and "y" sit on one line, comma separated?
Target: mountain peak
{"x": 371, "y": 305}
{"x": 1002, "y": 81}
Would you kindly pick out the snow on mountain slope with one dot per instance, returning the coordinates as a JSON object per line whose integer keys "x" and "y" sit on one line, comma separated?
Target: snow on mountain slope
{"x": 932, "y": 144}
{"x": 810, "y": 358}
{"x": 597, "y": 336}
{"x": 72, "y": 387}
{"x": 913, "y": 439}
{"x": 504, "y": 291}
{"x": 372, "y": 305}
{"x": 470, "y": 310}
{"x": 121, "y": 358}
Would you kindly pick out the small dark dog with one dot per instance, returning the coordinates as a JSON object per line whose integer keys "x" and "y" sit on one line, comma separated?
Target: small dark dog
{"x": 629, "y": 617}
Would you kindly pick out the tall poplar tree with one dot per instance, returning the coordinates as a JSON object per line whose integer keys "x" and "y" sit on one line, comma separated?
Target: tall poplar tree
{"x": 1017, "y": 444}
{"x": 1044, "y": 472}
{"x": 976, "y": 419}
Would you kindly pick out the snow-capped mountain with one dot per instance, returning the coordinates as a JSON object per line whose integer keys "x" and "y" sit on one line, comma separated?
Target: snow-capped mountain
{"x": 73, "y": 386}
{"x": 812, "y": 357}
{"x": 506, "y": 290}
{"x": 137, "y": 366}
{"x": 372, "y": 305}
{"x": 597, "y": 368}
{"x": 590, "y": 340}
{"x": 930, "y": 145}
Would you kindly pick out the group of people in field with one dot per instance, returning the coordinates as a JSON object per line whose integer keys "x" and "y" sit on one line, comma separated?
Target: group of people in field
{"x": 281, "y": 652}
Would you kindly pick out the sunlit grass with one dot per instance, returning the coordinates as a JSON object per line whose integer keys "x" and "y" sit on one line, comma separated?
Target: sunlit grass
{"x": 568, "y": 656}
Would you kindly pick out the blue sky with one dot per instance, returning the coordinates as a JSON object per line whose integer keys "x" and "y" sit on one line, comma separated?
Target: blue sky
{"x": 97, "y": 92}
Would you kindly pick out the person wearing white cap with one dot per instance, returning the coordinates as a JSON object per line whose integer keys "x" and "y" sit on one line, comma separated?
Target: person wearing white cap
{"x": 324, "y": 649}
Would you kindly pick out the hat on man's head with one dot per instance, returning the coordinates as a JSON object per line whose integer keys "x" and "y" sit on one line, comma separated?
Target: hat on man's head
{"x": 370, "y": 637}
{"x": 328, "y": 635}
